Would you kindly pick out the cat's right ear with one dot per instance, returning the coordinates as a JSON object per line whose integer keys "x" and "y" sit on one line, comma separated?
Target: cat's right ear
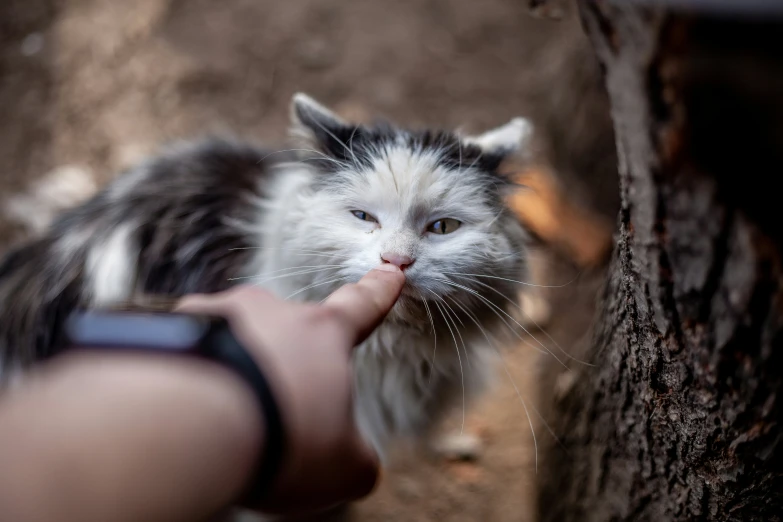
{"x": 316, "y": 127}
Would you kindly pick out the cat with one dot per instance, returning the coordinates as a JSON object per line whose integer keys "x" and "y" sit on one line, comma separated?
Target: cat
{"x": 204, "y": 216}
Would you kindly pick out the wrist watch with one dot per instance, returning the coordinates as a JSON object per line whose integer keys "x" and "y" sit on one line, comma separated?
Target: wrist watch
{"x": 207, "y": 337}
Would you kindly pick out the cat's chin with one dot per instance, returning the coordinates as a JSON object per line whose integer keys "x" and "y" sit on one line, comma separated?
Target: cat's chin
{"x": 409, "y": 310}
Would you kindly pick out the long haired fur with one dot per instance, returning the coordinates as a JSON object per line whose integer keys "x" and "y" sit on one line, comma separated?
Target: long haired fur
{"x": 301, "y": 223}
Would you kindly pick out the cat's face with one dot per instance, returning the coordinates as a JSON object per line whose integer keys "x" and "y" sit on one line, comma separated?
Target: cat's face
{"x": 431, "y": 203}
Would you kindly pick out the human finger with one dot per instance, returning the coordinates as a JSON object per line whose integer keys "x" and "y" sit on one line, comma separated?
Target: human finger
{"x": 363, "y": 305}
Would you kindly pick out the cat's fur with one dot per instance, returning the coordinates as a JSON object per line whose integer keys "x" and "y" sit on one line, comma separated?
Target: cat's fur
{"x": 203, "y": 217}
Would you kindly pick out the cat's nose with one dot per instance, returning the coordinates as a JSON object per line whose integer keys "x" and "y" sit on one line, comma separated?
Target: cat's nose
{"x": 400, "y": 260}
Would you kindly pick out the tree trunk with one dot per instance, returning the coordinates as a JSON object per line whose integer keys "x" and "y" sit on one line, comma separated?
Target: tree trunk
{"x": 680, "y": 419}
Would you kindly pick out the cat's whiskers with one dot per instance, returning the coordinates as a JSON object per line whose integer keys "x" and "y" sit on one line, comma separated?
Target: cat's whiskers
{"x": 473, "y": 318}
{"x": 434, "y": 334}
{"x": 500, "y": 310}
{"x": 293, "y": 274}
{"x": 564, "y": 352}
{"x": 455, "y": 316}
{"x": 514, "y": 280}
{"x": 459, "y": 359}
{"x": 301, "y": 251}
{"x": 257, "y": 276}
{"x": 507, "y": 325}
{"x": 315, "y": 285}
{"x": 308, "y": 272}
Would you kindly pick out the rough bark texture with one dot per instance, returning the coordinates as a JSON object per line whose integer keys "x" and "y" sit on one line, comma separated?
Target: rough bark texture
{"x": 680, "y": 419}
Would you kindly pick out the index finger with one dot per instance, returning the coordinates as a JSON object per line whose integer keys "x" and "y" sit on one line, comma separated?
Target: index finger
{"x": 365, "y": 304}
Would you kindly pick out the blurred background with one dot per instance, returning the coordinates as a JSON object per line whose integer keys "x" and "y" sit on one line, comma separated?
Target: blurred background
{"x": 89, "y": 87}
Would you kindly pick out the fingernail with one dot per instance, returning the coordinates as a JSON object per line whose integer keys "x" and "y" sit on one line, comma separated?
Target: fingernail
{"x": 387, "y": 267}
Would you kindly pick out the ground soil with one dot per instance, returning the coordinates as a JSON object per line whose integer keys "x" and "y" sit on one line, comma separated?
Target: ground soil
{"x": 98, "y": 84}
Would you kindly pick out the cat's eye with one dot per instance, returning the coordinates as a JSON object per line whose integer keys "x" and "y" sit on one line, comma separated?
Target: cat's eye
{"x": 364, "y": 216}
{"x": 444, "y": 226}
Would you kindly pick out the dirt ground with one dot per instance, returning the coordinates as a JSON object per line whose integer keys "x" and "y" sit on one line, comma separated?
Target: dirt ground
{"x": 98, "y": 84}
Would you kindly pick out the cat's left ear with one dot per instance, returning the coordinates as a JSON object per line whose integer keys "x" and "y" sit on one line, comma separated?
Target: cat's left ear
{"x": 318, "y": 127}
{"x": 506, "y": 139}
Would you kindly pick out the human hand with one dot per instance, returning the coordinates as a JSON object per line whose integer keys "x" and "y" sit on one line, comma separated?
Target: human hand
{"x": 304, "y": 350}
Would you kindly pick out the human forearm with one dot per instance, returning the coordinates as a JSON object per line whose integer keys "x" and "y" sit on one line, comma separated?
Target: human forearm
{"x": 123, "y": 437}
{"x": 107, "y": 436}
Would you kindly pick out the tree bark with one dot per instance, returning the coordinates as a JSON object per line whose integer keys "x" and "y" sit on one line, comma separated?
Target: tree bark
{"x": 680, "y": 419}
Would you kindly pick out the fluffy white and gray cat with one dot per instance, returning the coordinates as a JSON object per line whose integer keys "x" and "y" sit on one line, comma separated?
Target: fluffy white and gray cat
{"x": 203, "y": 217}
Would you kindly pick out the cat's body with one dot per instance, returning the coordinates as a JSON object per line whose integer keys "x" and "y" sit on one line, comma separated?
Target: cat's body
{"x": 202, "y": 218}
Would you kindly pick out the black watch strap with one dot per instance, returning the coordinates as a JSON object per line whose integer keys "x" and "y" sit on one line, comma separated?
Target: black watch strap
{"x": 219, "y": 344}
{"x": 165, "y": 332}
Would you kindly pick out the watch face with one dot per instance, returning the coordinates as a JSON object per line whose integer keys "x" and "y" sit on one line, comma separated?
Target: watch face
{"x": 136, "y": 330}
